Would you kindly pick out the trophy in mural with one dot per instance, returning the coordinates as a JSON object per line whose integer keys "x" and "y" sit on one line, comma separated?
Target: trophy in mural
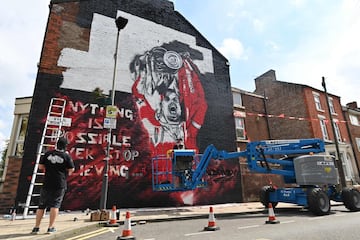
{"x": 169, "y": 96}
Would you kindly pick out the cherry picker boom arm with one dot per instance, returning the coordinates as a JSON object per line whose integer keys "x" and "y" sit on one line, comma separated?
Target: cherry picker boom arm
{"x": 185, "y": 170}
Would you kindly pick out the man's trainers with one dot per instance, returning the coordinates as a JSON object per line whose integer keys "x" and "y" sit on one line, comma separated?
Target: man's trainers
{"x": 35, "y": 230}
{"x": 51, "y": 230}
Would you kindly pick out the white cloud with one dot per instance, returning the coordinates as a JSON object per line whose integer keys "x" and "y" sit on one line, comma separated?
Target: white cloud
{"x": 272, "y": 45}
{"x": 298, "y": 3}
{"x": 258, "y": 25}
{"x": 232, "y": 49}
{"x": 332, "y": 52}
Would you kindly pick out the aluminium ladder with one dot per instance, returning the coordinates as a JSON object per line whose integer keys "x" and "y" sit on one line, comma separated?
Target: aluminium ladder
{"x": 51, "y": 132}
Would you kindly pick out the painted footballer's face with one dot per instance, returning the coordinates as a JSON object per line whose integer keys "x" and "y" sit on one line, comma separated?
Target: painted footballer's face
{"x": 171, "y": 107}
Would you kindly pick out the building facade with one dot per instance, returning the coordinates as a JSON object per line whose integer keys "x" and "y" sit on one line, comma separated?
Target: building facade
{"x": 251, "y": 123}
{"x": 14, "y": 154}
{"x": 170, "y": 83}
{"x": 352, "y": 117}
{"x": 300, "y": 111}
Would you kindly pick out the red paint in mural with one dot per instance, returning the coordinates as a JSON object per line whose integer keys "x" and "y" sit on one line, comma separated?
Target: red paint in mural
{"x": 167, "y": 104}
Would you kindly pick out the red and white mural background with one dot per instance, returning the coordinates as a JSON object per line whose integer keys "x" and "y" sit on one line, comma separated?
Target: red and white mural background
{"x": 166, "y": 89}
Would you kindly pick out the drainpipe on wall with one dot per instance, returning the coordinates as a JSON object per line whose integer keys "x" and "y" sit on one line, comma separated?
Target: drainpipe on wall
{"x": 266, "y": 116}
{"x": 338, "y": 161}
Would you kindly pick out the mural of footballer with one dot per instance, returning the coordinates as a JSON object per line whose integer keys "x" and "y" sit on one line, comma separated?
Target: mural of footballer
{"x": 169, "y": 97}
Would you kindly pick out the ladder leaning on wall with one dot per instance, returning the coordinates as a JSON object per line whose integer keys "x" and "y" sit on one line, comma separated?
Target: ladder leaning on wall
{"x": 51, "y": 132}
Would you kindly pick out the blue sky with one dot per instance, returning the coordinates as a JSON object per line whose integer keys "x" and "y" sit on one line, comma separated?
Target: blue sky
{"x": 302, "y": 40}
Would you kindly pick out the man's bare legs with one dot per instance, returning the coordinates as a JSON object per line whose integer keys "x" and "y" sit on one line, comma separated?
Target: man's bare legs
{"x": 40, "y": 214}
{"x": 53, "y": 214}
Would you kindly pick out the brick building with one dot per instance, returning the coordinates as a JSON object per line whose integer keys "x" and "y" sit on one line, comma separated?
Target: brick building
{"x": 170, "y": 83}
{"x": 300, "y": 111}
{"x": 13, "y": 159}
{"x": 251, "y": 123}
{"x": 352, "y": 117}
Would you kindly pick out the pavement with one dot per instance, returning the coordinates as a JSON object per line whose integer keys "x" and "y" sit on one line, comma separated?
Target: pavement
{"x": 69, "y": 224}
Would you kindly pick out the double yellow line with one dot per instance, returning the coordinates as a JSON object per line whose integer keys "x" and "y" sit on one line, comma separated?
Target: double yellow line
{"x": 91, "y": 234}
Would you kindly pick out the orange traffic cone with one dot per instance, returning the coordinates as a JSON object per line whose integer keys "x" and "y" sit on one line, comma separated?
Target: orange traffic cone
{"x": 272, "y": 219}
{"x": 211, "y": 223}
{"x": 127, "y": 233}
{"x": 112, "y": 221}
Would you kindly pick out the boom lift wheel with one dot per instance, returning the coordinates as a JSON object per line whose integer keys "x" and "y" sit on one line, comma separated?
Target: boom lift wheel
{"x": 318, "y": 202}
{"x": 265, "y": 196}
{"x": 351, "y": 199}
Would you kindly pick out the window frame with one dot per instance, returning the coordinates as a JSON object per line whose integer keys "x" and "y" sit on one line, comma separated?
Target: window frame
{"x": 337, "y": 130}
{"x": 323, "y": 127}
{"x": 18, "y": 149}
{"x": 240, "y": 126}
{"x": 352, "y": 118}
{"x": 237, "y": 99}
{"x": 331, "y": 106}
{"x": 317, "y": 101}
{"x": 358, "y": 143}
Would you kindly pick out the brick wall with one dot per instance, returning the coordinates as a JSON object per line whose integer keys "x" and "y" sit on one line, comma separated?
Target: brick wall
{"x": 77, "y": 57}
{"x": 256, "y": 129}
{"x": 8, "y": 193}
{"x": 284, "y": 98}
{"x": 354, "y": 130}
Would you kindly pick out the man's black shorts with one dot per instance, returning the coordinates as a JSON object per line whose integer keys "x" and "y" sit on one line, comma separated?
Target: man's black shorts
{"x": 51, "y": 198}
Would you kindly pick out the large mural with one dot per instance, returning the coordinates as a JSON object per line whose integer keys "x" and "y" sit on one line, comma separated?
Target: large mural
{"x": 161, "y": 81}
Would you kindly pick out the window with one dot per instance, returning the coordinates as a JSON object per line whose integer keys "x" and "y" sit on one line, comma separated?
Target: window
{"x": 346, "y": 164}
{"x": 317, "y": 101}
{"x": 240, "y": 128}
{"x": 354, "y": 120}
{"x": 331, "y": 106}
{"x": 237, "y": 98}
{"x": 358, "y": 143}
{"x": 323, "y": 128}
{"x": 349, "y": 169}
{"x": 20, "y": 137}
{"x": 337, "y": 131}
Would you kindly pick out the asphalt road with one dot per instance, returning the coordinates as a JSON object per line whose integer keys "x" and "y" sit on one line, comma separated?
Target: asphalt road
{"x": 294, "y": 224}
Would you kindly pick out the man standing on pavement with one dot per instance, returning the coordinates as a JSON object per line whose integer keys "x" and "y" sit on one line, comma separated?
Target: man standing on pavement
{"x": 57, "y": 165}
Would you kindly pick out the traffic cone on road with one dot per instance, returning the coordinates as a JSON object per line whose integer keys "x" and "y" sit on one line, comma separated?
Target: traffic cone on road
{"x": 126, "y": 233}
{"x": 272, "y": 219}
{"x": 113, "y": 219}
{"x": 211, "y": 223}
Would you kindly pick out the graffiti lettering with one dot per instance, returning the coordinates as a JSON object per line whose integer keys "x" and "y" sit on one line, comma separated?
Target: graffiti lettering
{"x": 94, "y": 170}
{"x": 127, "y": 113}
{"x": 130, "y": 155}
{"x": 115, "y": 154}
{"x": 95, "y": 123}
{"x": 75, "y": 106}
{"x": 98, "y": 138}
{"x": 124, "y": 171}
{"x": 95, "y": 109}
{"x": 82, "y": 153}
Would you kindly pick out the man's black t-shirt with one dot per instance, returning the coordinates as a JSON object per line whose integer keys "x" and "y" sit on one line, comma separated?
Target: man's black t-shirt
{"x": 56, "y": 164}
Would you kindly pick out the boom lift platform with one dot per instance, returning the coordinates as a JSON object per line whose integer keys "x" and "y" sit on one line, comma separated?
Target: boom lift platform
{"x": 313, "y": 175}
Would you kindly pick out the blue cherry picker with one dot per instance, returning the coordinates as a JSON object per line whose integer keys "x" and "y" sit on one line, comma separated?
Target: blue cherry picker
{"x": 312, "y": 175}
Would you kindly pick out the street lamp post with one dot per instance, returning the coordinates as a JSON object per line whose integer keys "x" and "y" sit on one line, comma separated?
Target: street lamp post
{"x": 338, "y": 160}
{"x": 120, "y": 24}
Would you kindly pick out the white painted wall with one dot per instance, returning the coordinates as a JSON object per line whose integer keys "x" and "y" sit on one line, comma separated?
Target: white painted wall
{"x": 88, "y": 70}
